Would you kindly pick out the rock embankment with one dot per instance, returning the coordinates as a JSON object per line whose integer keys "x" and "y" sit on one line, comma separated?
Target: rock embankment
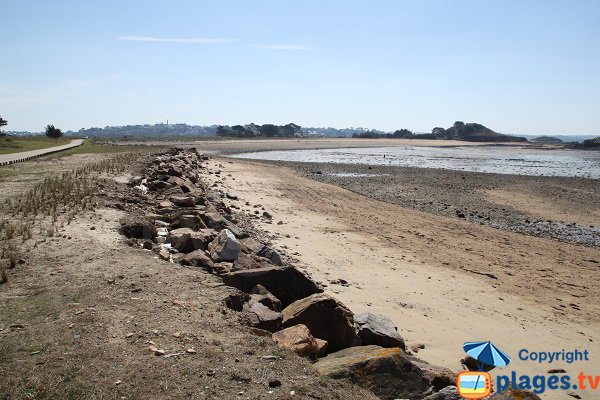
{"x": 186, "y": 222}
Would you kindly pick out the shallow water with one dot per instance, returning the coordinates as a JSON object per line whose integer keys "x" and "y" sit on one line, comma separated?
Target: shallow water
{"x": 490, "y": 159}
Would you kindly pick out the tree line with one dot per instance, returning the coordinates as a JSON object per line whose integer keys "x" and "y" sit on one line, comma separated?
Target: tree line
{"x": 398, "y": 134}
{"x": 253, "y": 130}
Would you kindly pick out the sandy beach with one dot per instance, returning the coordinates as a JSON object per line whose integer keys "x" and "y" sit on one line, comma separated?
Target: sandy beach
{"x": 443, "y": 280}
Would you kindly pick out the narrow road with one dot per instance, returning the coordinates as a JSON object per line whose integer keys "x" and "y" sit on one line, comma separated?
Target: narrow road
{"x": 28, "y": 155}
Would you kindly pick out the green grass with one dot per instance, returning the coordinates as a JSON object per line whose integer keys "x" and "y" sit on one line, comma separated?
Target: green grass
{"x": 96, "y": 147}
{"x": 10, "y": 145}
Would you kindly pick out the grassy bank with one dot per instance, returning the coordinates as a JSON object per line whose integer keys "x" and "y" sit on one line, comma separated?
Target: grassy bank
{"x": 97, "y": 147}
{"x": 10, "y": 145}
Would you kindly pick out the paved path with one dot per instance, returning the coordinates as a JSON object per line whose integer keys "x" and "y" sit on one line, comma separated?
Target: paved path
{"x": 28, "y": 155}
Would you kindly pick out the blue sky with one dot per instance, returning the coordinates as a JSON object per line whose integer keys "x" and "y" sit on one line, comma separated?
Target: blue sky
{"x": 515, "y": 66}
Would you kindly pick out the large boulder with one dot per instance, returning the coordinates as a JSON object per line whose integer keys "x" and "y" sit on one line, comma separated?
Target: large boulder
{"x": 327, "y": 319}
{"x": 379, "y": 330}
{"x": 387, "y": 372}
{"x": 286, "y": 283}
{"x": 139, "y": 227}
{"x": 298, "y": 339}
{"x": 447, "y": 393}
{"x": 225, "y": 247}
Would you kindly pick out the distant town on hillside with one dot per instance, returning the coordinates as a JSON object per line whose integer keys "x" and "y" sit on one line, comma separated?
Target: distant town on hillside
{"x": 459, "y": 131}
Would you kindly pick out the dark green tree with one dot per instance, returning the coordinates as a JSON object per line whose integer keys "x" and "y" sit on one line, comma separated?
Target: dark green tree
{"x": 438, "y": 132}
{"x": 402, "y": 133}
{"x": 3, "y": 122}
{"x": 223, "y": 131}
{"x": 53, "y": 132}
{"x": 269, "y": 130}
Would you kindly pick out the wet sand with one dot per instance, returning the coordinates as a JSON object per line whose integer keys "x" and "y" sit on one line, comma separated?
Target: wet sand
{"x": 561, "y": 208}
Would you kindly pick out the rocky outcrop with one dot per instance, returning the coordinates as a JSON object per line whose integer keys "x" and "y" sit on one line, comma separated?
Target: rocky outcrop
{"x": 286, "y": 283}
{"x": 473, "y": 132}
{"x": 387, "y": 372}
{"x": 298, "y": 339}
{"x": 326, "y": 318}
{"x": 379, "y": 330}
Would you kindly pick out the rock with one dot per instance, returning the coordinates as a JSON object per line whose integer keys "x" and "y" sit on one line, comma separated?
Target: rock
{"x": 473, "y": 365}
{"x": 259, "y": 316}
{"x": 447, "y": 393}
{"x": 198, "y": 259}
{"x": 327, "y": 319}
{"x": 286, "y": 283}
{"x": 298, "y": 339}
{"x": 273, "y": 383}
{"x": 514, "y": 394}
{"x": 261, "y": 295}
{"x": 246, "y": 261}
{"x": 225, "y": 247}
{"x": 416, "y": 347}
{"x": 438, "y": 377}
{"x": 387, "y": 372}
{"x": 159, "y": 185}
{"x": 183, "y": 200}
{"x": 139, "y": 227}
{"x": 186, "y": 240}
{"x": 250, "y": 245}
{"x": 174, "y": 171}
{"x": 236, "y": 301}
{"x": 379, "y": 330}
{"x": 321, "y": 346}
{"x": 259, "y": 332}
{"x": 177, "y": 181}
{"x": 215, "y": 221}
{"x": 191, "y": 221}
{"x": 270, "y": 254}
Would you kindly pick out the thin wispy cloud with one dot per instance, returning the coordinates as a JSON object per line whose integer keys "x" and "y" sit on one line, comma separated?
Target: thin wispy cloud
{"x": 282, "y": 47}
{"x": 175, "y": 40}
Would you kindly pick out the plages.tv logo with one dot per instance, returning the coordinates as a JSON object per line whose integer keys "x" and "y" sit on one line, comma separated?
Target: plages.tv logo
{"x": 478, "y": 384}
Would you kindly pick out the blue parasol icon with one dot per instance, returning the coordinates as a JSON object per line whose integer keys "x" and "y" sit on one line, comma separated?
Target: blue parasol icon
{"x": 486, "y": 353}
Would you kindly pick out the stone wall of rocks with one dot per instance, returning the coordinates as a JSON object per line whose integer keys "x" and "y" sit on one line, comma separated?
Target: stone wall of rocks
{"x": 184, "y": 222}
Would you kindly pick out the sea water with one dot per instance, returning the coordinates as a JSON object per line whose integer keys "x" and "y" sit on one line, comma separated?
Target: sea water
{"x": 490, "y": 159}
